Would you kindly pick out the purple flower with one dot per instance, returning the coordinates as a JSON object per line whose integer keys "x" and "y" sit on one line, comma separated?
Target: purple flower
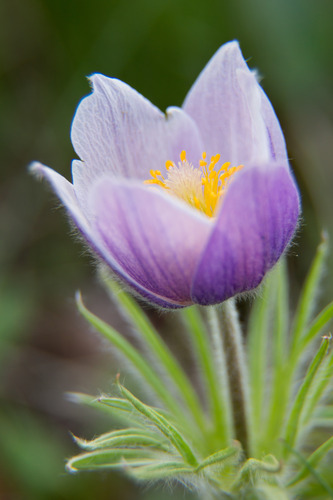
{"x": 191, "y": 206}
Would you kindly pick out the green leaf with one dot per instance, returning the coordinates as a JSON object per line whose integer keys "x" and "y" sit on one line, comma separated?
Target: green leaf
{"x": 309, "y": 293}
{"x": 318, "y": 324}
{"x": 130, "y": 438}
{"x": 281, "y": 316}
{"x": 322, "y": 422}
{"x": 127, "y": 432}
{"x": 204, "y": 354}
{"x": 163, "y": 425}
{"x": 115, "y": 458}
{"x": 160, "y": 350}
{"x": 149, "y": 375}
{"x": 116, "y": 412}
{"x": 116, "y": 403}
{"x": 292, "y": 427}
{"x": 125, "y": 406}
{"x": 258, "y": 338}
{"x": 278, "y": 372}
{"x": 254, "y": 469}
{"x": 320, "y": 384}
{"x": 311, "y": 470}
{"x": 271, "y": 492}
{"x": 84, "y": 399}
{"x": 161, "y": 470}
{"x": 221, "y": 457}
{"x": 312, "y": 461}
{"x": 325, "y": 412}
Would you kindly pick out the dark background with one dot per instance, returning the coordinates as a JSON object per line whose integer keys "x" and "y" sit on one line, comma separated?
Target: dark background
{"x": 47, "y": 47}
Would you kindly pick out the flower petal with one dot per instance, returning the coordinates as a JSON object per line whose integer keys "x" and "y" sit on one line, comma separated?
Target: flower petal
{"x": 232, "y": 112}
{"x": 65, "y": 191}
{"x": 154, "y": 238}
{"x": 256, "y": 221}
{"x": 82, "y": 180}
{"x": 116, "y": 130}
{"x": 277, "y": 143}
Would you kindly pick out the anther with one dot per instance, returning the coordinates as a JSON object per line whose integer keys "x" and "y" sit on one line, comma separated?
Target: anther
{"x": 183, "y": 156}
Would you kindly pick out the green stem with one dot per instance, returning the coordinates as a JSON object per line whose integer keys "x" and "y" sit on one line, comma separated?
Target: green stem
{"x": 236, "y": 368}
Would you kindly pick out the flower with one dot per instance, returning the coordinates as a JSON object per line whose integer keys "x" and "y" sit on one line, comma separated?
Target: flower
{"x": 191, "y": 206}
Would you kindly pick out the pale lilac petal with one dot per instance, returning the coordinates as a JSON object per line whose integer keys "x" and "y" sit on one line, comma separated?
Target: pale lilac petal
{"x": 65, "y": 191}
{"x": 154, "y": 238}
{"x": 255, "y": 224}
{"x": 232, "y": 112}
{"x": 256, "y": 147}
{"x": 82, "y": 181}
{"x": 276, "y": 140}
{"x": 117, "y": 131}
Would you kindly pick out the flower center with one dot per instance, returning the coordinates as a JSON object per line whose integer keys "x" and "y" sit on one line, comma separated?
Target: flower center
{"x": 203, "y": 188}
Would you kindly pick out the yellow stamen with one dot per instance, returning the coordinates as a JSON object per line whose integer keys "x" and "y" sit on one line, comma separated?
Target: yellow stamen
{"x": 196, "y": 202}
{"x": 183, "y": 156}
{"x": 155, "y": 174}
{"x": 203, "y": 162}
{"x": 203, "y": 188}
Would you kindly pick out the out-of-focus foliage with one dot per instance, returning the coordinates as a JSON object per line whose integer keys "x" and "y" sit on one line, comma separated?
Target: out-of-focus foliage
{"x": 157, "y": 46}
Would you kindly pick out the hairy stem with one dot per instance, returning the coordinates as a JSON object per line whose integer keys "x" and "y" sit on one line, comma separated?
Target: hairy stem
{"x": 236, "y": 368}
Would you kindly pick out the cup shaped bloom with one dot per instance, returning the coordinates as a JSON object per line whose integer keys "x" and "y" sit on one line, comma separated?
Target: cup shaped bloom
{"x": 193, "y": 205}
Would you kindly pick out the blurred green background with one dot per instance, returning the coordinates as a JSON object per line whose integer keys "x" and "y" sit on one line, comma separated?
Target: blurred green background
{"x": 47, "y": 47}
